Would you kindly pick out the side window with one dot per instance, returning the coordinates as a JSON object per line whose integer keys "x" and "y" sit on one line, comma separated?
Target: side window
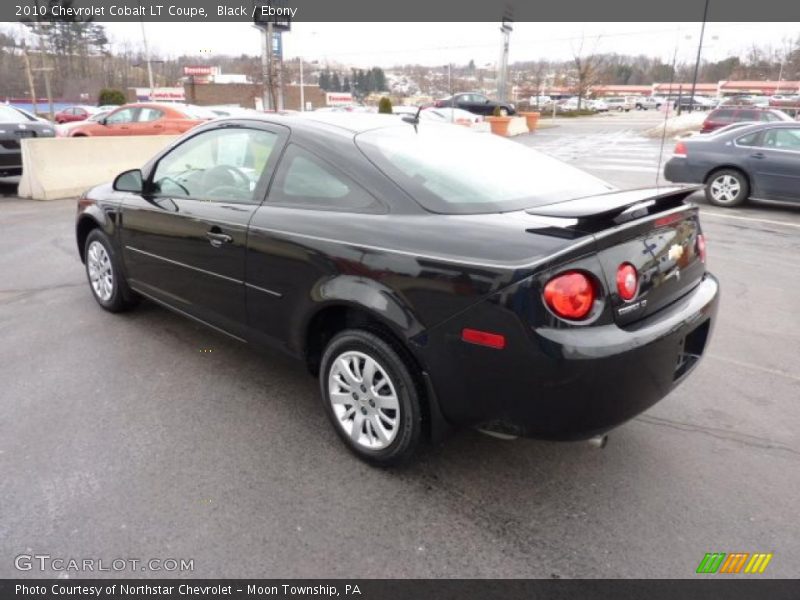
{"x": 303, "y": 179}
{"x": 782, "y": 139}
{"x": 149, "y": 114}
{"x": 221, "y": 165}
{"x": 124, "y": 115}
{"x": 748, "y": 115}
{"x": 751, "y": 139}
{"x": 768, "y": 116}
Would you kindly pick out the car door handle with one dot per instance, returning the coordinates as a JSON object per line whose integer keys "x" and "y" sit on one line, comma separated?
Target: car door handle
{"x": 758, "y": 155}
{"x": 217, "y": 238}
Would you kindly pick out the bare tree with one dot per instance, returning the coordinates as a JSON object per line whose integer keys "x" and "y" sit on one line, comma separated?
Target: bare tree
{"x": 586, "y": 68}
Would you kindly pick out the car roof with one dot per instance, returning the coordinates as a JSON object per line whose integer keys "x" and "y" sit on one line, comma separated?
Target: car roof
{"x": 746, "y": 129}
{"x": 345, "y": 123}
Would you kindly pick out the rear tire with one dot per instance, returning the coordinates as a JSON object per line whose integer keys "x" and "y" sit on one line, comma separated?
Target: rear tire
{"x": 727, "y": 188}
{"x": 103, "y": 270}
{"x": 369, "y": 394}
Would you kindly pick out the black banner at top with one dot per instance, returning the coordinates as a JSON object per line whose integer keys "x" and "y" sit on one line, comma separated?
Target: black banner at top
{"x": 401, "y": 11}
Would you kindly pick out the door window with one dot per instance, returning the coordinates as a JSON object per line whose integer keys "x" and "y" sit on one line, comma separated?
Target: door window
{"x": 305, "y": 180}
{"x": 124, "y": 115}
{"x": 222, "y": 165}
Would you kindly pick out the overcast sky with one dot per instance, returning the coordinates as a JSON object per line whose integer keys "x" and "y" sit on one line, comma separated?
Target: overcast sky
{"x": 387, "y": 44}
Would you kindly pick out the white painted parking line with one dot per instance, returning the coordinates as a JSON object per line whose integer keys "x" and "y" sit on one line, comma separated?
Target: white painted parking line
{"x": 616, "y": 159}
{"x": 712, "y": 213}
{"x": 620, "y": 167}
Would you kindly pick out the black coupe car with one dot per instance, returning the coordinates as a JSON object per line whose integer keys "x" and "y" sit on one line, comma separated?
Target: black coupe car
{"x": 15, "y": 125}
{"x": 477, "y": 104}
{"x": 757, "y": 160}
{"x": 429, "y": 276}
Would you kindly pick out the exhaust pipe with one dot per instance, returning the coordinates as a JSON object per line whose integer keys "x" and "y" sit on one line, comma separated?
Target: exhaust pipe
{"x": 598, "y": 441}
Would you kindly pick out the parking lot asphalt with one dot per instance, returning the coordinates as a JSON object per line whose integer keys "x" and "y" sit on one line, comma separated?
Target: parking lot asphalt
{"x": 145, "y": 435}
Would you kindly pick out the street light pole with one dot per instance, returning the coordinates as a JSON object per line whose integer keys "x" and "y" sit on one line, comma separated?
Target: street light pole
{"x": 699, "y": 50}
{"x": 506, "y": 30}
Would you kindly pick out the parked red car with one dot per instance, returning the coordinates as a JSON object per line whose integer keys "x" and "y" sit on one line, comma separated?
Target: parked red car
{"x": 74, "y": 113}
{"x": 720, "y": 117}
{"x": 146, "y": 118}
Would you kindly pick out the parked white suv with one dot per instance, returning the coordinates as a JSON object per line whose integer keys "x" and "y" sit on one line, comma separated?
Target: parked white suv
{"x": 646, "y": 103}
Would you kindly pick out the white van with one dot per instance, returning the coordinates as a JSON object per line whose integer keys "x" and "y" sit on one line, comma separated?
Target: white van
{"x": 619, "y": 103}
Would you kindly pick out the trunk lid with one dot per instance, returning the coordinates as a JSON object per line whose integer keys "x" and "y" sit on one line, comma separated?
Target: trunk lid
{"x": 654, "y": 230}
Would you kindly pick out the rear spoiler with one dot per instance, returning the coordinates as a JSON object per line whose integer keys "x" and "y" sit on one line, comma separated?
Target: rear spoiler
{"x": 594, "y": 213}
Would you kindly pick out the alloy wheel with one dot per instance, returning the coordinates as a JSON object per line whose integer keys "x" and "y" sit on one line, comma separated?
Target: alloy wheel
{"x": 101, "y": 273}
{"x": 725, "y": 188}
{"x": 364, "y": 400}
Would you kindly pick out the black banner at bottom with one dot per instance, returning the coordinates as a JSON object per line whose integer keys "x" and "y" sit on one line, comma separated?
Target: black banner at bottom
{"x": 405, "y": 589}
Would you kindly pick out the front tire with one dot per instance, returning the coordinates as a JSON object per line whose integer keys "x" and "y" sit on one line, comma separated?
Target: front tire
{"x": 369, "y": 394}
{"x": 106, "y": 280}
{"x": 727, "y": 188}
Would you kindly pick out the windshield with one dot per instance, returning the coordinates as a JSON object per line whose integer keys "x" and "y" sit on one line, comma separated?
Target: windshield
{"x": 452, "y": 170}
{"x": 9, "y": 115}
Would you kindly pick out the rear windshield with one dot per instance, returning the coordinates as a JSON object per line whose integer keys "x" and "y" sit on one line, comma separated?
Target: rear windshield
{"x": 197, "y": 112}
{"x": 451, "y": 170}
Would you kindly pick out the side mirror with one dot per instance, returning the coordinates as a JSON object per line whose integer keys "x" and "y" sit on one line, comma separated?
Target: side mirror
{"x": 102, "y": 121}
{"x": 130, "y": 181}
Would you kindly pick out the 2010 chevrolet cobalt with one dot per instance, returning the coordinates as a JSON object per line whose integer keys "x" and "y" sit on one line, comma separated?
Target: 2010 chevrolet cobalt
{"x": 429, "y": 276}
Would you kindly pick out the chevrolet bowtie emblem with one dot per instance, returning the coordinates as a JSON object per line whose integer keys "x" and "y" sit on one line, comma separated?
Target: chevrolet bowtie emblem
{"x": 675, "y": 252}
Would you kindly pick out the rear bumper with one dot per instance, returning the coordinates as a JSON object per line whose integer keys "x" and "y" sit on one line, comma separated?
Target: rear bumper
{"x": 678, "y": 170}
{"x": 573, "y": 383}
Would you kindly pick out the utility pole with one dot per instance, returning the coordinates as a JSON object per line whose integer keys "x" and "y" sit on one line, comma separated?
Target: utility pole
{"x": 44, "y": 68}
{"x": 147, "y": 58}
{"x": 29, "y": 73}
{"x": 506, "y": 30}
{"x": 699, "y": 50}
{"x": 302, "y": 95}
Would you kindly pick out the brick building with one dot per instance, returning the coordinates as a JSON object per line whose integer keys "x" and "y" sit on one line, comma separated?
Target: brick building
{"x": 245, "y": 94}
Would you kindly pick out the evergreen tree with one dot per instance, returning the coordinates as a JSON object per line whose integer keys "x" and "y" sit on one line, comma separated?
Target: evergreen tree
{"x": 325, "y": 80}
{"x": 380, "y": 79}
{"x": 336, "y": 86}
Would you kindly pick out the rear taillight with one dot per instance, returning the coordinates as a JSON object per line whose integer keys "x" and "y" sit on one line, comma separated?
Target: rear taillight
{"x": 680, "y": 149}
{"x": 627, "y": 281}
{"x": 570, "y": 295}
{"x": 701, "y": 247}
